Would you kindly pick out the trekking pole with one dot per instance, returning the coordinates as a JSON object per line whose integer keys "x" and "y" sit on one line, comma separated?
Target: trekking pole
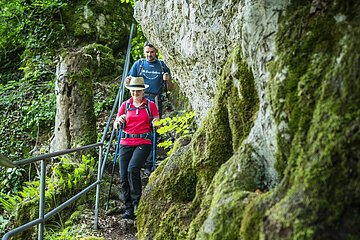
{"x": 154, "y": 149}
{"x": 114, "y": 164}
{"x": 165, "y": 86}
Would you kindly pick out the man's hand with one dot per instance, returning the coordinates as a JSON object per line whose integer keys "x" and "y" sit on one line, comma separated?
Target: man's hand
{"x": 127, "y": 80}
{"x": 166, "y": 76}
{"x": 168, "y": 82}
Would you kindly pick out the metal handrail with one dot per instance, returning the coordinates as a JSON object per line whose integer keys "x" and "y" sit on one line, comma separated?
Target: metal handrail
{"x": 5, "y": 162}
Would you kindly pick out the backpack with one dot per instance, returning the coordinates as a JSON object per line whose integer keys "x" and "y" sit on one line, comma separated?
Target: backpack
{"x": 141, "y": 107}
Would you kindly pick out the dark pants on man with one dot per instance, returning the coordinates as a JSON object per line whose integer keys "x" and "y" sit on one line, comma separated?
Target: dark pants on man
{"x": 132, "y": 158}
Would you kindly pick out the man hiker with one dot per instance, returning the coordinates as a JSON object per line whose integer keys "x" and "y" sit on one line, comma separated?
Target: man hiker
{"x": 157, "y": 75}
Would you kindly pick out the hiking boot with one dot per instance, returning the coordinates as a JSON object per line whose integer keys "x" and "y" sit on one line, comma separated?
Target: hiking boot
{"x": 128, "y": 215}
{"x": 115, "y": 211}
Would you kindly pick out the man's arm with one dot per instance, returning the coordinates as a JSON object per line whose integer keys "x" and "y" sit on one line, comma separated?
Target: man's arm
{"x": 167, "y": 78}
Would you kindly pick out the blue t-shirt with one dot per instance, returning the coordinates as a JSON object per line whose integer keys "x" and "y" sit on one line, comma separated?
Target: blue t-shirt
{"x": 152, "y": 74}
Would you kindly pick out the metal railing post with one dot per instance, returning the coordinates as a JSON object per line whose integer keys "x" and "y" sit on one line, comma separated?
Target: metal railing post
{"x": 96, "y": 218}
{"x": 42, "y": 199}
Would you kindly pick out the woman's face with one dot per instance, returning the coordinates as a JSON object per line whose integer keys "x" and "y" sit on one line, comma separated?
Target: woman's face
{"x": 137, "y": 95}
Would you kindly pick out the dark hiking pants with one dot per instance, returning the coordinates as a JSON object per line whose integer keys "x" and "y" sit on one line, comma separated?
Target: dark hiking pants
{"x": 132, "y": 158}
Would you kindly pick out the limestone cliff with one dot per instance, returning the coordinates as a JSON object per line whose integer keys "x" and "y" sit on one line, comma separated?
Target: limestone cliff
{"x": 275, "y": 84}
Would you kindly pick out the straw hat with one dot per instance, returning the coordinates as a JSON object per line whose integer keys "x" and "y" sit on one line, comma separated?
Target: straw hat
{"x": 136, "y": 83}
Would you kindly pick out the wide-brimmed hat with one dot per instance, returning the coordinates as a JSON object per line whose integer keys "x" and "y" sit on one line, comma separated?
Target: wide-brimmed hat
{"x": 136, "y": 83}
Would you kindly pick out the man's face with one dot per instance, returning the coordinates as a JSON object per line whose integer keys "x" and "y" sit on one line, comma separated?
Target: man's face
{"x": 150, "y": 53}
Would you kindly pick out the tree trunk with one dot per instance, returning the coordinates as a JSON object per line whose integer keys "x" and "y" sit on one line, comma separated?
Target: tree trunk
{"x": 75, "y": 121}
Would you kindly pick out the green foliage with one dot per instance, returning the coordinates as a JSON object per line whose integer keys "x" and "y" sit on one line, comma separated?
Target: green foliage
{"x": 68, "y": 233}
{"x": 3, "y": 223}
{"x": 29, "y": 31}
{"x": 26, "y": 110}
{"x": 132, "y": 2}
{"x": 172, "y": 128}
{"x": 104, "y": 98}
{"x": 69, "y": 176}
{"x": 66, "y": 179}
{"x": 26, "y": 107}
{"x": 32, "y": 26}
{"x": 137, "y": 43}
{"x": 11, "y": 179}
{"x": 10, "y": 204}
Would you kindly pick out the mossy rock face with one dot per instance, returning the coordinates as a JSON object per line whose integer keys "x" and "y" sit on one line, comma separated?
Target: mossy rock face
{"x": 185, "y": 192}
{"x": 319, "y": 67}
{"x": 103, "y": 63}
{"x": 229, "y": 122}
{"x": 225, "y": 216}
{"x": 231, "y": 190}
{"x": 173, "y": 183}
{"x": 94, "y": 21}
{"x": 314, "y": 93}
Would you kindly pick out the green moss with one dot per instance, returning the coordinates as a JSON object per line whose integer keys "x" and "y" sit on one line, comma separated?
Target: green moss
{"x": 172, "y": 183}
{"x": 319, "y": 115}
{"x": 88, "y": 22}
{"x": 181, "y": 142}
{"x": 229, "y": 122}
{"x": 174, "y": 224}
{"x": 243, "y": 102}
{"x": 224, "y": 218}
{"x": 227, "y": 197}
{"x": 223, "y": 131}
{"x": 184, "y": 191}
{"x": 251, "y": 224}
{"x": 102, "y": 62}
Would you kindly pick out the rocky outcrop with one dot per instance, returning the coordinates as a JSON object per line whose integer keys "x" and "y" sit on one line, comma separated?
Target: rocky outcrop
{"x": 95, "y": 40}
{"x": 276, "y": 88}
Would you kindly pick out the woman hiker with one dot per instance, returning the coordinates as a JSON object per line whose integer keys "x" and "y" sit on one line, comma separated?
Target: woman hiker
{"x": 137, "y": 114}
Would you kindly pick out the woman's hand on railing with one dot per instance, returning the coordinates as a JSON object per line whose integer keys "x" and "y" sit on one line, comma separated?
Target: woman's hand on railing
{"x": 119, "y": 120}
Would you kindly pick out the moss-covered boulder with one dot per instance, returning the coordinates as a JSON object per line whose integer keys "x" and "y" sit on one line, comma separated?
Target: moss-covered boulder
{"x": 305, "y": 187}
{"x": 318, "y": 197}
{"x": 183, "y": 197}
{"x": 105, "y": 22}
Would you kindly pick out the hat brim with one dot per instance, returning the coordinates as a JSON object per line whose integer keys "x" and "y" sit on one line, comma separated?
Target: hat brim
{"x": 132, "y": 87}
